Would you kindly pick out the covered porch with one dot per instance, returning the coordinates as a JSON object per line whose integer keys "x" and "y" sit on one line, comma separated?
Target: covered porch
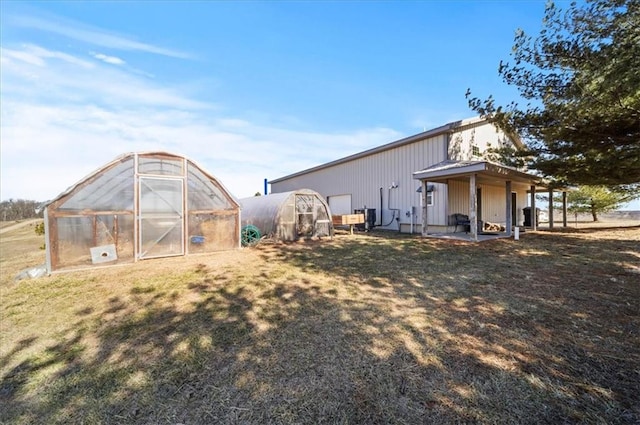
{"x": 506, "y": 191}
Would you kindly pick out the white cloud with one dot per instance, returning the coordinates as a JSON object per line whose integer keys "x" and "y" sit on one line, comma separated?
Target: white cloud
{"x": 91, "y": 35}
{"x": 113, "y": 60}
{"x": 11, "y": 55}
{"x": 62, "y": 120}
{"x": 36, "y": 55}
{"x": 63, "y": 77}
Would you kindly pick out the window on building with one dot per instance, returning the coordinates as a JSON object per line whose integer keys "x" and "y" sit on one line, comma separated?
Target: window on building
{"x": 475, "y": 150}
{"x": 430, "y": 198}
{"x": 430, "y": 189}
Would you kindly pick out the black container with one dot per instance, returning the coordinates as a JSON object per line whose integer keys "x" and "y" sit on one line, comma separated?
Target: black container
{"x": 369, "y": 218}
{"x": 527, "y": 216}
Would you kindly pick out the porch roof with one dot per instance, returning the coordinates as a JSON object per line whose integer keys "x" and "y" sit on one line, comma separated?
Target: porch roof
{"x": 487, "y": 172}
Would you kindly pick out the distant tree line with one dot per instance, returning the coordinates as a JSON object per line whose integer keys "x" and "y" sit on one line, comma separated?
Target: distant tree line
{"x": 20, "y": 209}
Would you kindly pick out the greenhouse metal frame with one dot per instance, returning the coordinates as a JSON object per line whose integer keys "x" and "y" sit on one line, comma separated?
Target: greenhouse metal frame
{"x": 140, "y": 206}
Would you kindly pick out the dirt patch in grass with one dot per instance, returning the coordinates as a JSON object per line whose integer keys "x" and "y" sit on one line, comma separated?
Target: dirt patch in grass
{"x": 371, "y": 328}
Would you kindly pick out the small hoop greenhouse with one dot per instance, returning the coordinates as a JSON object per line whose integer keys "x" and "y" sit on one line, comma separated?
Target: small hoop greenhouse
{"x": 140, "y": 206}
{"x": 288, "y": 216}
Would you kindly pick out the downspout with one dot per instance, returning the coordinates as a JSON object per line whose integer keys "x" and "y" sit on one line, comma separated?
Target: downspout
{"x": 380, "y": 207}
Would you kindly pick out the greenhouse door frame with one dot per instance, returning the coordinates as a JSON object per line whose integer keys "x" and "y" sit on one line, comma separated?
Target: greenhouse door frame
{"x": 177, "y": 213}
{"x": 307, "y": 222}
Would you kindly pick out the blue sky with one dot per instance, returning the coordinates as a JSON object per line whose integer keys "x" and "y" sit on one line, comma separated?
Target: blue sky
{"x": 250, "y": 90}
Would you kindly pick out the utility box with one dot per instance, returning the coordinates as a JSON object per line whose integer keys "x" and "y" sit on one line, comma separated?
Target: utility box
{"x": 369, "y": 218}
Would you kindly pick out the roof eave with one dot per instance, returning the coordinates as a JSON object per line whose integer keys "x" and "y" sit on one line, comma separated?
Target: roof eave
{"x": 444, "y": 129}
{"x": 407, "y": 140}
{"x": 482, "y": 167}
{"x": 473, "y": 168}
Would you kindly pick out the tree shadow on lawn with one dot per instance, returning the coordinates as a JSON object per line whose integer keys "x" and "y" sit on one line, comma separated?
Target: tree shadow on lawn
{"x": 311, "y": 363}
{"x": 559, "y": 313}
{"x": 374, "y": 330}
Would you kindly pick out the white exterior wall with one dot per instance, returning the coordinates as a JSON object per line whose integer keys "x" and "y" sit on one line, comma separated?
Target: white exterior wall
{"x": 363, "y": 177}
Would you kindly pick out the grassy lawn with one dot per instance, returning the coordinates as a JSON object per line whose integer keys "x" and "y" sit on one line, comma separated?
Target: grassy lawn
{"x": 363, "y": 329}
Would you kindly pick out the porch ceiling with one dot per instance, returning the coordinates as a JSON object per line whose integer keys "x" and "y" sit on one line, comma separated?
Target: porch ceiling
{"x": 486, "y": 172}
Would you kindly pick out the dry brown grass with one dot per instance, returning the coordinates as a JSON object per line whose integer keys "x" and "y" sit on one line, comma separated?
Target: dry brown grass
{"x": 370, "y": 328}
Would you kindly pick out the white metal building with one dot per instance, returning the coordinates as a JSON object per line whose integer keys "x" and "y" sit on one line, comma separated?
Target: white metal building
{"x": 388, "y": 179}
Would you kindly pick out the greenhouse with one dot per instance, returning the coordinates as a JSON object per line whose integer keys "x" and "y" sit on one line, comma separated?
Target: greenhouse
{"x": 288, "y": 216}
{"x": 140, "y": 206}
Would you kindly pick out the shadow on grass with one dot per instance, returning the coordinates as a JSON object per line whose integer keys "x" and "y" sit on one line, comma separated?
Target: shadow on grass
{"x": 559, "y": 313}
{"x": 376, "y": 329}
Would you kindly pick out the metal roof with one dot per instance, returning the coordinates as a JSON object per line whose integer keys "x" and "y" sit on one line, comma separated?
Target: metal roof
{"x": 486, "y": 170}
{"x": 447, "y": 128}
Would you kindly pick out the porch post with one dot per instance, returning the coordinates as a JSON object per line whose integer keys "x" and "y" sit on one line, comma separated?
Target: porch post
{"x": 509, "y": 224}
{"x": 550, "y": 208}
{"x": 534, "y": 225}
{"x": 473, "y": 207}
{"x": 424, "y": 207}
{"x": 564, "y": 208}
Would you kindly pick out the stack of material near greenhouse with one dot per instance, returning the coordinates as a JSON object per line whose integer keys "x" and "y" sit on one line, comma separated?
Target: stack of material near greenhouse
{"x": 288, "y": 216}
{"x": 140, "y": 206}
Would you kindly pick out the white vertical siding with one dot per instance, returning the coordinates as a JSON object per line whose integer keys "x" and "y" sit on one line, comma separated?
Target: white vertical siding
{"x": 494, "y": 204}
{"x": 493, "y": 201}
{"x": 363, "y": 177}
{"x": 459, "y": 197}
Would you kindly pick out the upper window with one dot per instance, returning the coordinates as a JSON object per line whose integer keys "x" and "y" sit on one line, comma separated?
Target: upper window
{"x": 475, "y": 150}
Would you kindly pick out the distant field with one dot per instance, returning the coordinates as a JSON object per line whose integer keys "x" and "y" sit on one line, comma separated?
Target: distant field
{"x": 364, "y": 329}
{"x": 610, "y": 219}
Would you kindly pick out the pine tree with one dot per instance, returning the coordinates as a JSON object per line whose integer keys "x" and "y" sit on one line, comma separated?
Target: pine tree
{"x": 581, "y": 78}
